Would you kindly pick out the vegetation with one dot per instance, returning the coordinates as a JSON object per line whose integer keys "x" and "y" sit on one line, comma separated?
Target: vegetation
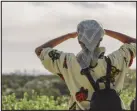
{"x": 35, "y": 103}
{"x": 20, "y": 92}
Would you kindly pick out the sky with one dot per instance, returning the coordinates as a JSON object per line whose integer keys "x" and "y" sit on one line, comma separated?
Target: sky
{"x": 26, "y": 25}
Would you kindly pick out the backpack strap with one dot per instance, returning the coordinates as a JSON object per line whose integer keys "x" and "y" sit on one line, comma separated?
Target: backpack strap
{"x": 94, "y": 84}
{"x": 73, "y": 106}
{"x": 86, "y": 72}
{"x": 108, "y": 72}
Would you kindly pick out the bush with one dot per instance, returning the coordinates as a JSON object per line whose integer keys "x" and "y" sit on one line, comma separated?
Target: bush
{"x": 35, "y": 103}
{"x": 127, "y": 96}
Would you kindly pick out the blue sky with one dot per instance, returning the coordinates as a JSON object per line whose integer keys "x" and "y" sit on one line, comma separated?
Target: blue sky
{"x": 28, "y": 25}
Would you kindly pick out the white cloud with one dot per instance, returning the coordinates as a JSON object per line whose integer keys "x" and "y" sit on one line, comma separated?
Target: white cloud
{"x": 27, "y": 25}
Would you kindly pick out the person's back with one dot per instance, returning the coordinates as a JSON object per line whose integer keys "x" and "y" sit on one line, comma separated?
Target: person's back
{"x": 68, "y": 66}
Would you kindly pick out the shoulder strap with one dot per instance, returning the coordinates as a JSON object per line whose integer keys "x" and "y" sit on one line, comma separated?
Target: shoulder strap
{"x": 95, "y": 85}
{"x": 108, "y": 61}
{"x": 73, "y": 106}
{"x": 86, "y": 72}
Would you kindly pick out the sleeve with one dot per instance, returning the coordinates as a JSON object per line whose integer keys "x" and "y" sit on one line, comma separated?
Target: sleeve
{"x": 123, "y": 56}
{"x": 121, "y": 60}
{"x": 56, "y": 61}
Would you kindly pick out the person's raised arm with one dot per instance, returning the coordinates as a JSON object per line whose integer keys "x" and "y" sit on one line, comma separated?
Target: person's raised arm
{"x": 119, "y": 36}
{"x": 55, "y": 42}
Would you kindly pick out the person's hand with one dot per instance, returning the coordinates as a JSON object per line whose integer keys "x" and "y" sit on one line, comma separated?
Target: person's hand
{"x": 73, "y": 35}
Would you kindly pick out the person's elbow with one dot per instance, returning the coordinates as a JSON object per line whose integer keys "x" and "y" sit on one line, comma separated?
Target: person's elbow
{"x": 38, "y": 51}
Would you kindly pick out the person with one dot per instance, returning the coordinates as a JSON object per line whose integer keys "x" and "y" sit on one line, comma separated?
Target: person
{"x": 68, "y": 66}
